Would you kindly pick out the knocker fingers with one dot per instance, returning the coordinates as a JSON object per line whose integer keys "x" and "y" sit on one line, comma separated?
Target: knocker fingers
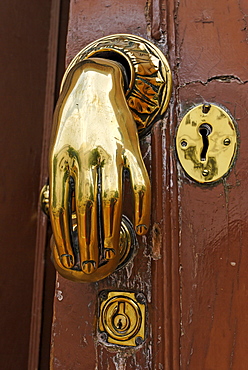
{"x": 142, "y": 193}
{"x": 87, "y": 219}
{"x": 111, "y": 209}
{"x": 59, "y": 214}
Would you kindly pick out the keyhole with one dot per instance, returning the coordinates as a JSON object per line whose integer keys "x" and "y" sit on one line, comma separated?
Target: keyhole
{"x": 205, "y": 130}
{"x": 119, "y": 325}
{"x": 121, "y": 321}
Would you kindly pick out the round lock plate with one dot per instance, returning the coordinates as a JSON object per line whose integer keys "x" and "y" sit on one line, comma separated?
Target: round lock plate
{"x": 121, "y": 318}
{"x": 206, "y": 143}
{"x": 148, "y": 73}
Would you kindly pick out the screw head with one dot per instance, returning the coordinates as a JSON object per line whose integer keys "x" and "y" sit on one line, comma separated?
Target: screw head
{"x": 206, "y": 108}
{"x": 138, "y": 341}
{"x": 184, "y": 143}
{"x": 140, "y": 298}
{"x": 104, "y": 336}
{"x": 227, "y": 142}
{"x": 205, "y": 173}
{"x": 103, "y": 295}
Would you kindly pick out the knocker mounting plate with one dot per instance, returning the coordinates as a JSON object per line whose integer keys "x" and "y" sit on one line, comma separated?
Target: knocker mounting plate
{"x": 148, "y": 74}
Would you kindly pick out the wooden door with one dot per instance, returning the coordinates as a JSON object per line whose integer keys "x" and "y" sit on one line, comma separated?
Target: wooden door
{"x": 192, "y": 264}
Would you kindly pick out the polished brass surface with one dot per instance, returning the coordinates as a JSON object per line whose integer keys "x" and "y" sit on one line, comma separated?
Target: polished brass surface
{"x": 44, "y": 199}
{"x": 94, "y": 138}
{"x": 148, "y": 73}
{"x": 206, "y": 143}
{"x": 112, "y": 91}
{"x": 122, "y": 318}
{"x": 127, "y": 242}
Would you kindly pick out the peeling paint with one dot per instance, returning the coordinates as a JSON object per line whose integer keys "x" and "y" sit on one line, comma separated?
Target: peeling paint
{"x": 156, "y": 241}
{"x": 244, "y": 19}
{"x": 83, "y": 341}
{"x": 119, "y": 361}
{"x": 59, "y": 295}
{"x": 129, "y": 269}
{"x": 219, "y": 78}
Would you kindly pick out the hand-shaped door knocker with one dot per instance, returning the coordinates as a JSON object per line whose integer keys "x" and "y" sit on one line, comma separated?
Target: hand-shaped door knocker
{"x": 95, "y": 137}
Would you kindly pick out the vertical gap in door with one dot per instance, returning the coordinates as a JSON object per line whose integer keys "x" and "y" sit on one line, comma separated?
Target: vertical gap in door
{"x": 172, "y": 10}
{"x": 44, "y": 277}
{"x": 166, "y": 282}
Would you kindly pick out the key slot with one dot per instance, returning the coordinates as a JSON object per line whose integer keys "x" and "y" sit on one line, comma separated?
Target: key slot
{"x": 205, "y": 130}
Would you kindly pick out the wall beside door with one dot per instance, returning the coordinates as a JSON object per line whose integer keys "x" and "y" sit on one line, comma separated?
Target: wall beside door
{"x": 24, "y": 29}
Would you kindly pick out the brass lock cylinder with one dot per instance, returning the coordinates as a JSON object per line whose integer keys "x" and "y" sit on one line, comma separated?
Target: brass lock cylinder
{"x": 122, "y": 318}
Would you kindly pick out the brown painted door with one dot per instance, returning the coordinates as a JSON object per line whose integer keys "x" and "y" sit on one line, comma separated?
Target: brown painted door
{"x": 192, "y": 265}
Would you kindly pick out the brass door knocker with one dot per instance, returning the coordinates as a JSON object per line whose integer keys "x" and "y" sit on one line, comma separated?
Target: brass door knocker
{"x": 112, "y": 91}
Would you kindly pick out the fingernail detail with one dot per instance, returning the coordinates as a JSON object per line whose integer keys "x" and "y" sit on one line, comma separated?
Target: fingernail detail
{"x": 67, "y": 260}
{"x": 88, "y": 267}
{"x": 141, "y": 229}
{"x": 109, "y": 254}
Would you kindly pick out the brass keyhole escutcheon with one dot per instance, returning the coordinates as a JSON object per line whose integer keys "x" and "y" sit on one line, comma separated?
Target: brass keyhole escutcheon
{"x": 206, "y": 143}
{"x": 122, "y": 318}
